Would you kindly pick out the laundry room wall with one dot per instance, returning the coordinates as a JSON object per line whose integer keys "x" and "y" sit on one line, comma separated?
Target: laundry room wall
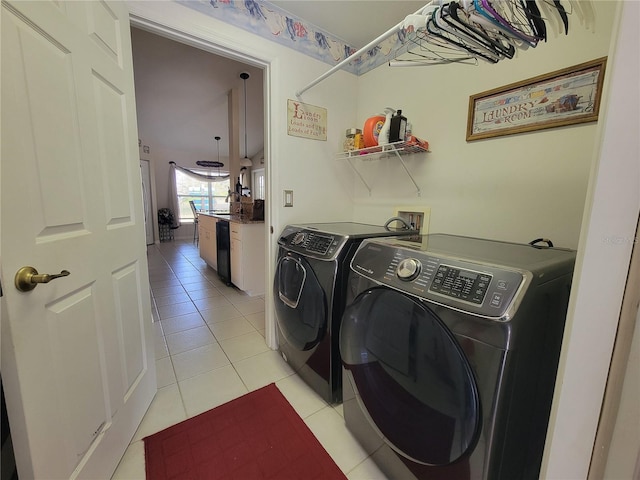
{"x": 305, "y": 166}
{"x": 515, "y": 188}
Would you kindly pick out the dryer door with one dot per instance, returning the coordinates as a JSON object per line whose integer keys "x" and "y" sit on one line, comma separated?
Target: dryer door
{"x": 411, "y": 377}
{"x": 300, "y": 302}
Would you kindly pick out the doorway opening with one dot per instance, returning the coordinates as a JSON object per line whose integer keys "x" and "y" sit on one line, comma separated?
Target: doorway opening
{"x": 257, "y": 134}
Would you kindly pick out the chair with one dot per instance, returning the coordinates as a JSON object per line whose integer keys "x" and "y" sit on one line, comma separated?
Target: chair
{"x": 166, "y": 224}
{"x": 195, "y": 221}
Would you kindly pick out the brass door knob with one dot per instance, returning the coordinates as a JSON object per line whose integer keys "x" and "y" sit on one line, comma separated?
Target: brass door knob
{"x": 27, "y": 278}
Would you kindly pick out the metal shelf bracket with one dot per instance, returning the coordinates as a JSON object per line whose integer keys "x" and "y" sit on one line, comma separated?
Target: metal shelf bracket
{"x": 397, "y": 149}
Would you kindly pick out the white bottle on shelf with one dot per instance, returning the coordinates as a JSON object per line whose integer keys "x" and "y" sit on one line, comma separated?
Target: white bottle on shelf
{"x": 383, "y": 137}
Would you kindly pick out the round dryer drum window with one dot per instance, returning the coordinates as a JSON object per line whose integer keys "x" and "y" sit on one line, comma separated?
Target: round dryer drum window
{"x": 299, "y": 302}
{"x": 414, "y": 382}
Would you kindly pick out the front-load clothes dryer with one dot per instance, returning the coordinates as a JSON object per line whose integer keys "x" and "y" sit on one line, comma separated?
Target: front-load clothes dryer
{"x": 450, "y": 350}
{"x": 312, "y": 267}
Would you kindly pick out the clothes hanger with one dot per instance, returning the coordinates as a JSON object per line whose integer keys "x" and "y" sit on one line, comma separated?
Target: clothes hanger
{"x": 514, "y": 25}
{"x": 494, "y": 28}
{"x": 431, "y": 56}
{"x": 435, "y": 50}
{"x": 504, "y": 26}
{"x": 433, "y": 30}
{"x": 584, "y": 11}
{"x": 558, "y": 13}
{"x": 496, "y": 41}
{"x": 513, "y": 13}
{"x": 535, "y": 19}
{"x": 563, "y": 15}
{"x": 445, "y": 22}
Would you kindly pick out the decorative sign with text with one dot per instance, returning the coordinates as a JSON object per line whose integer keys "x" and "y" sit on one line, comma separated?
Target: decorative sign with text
{"x": 556, "y": 99}
{"x": 307, "y": 121}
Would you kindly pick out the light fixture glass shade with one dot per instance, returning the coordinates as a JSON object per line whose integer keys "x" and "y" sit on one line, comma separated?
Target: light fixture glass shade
{"x": 246, "y": 162}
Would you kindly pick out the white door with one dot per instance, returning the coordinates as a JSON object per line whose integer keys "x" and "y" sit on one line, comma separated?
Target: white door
{"x": 145, "y": 170}
{"x": 77, "y": 353}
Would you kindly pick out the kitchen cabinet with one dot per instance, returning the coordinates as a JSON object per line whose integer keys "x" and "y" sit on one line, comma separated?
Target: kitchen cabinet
{"x": 248, "y": 257}
{"x": 207, "y": 240}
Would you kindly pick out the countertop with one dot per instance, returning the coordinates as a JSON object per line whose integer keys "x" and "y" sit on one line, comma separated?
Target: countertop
{"x": 231, "y": 217}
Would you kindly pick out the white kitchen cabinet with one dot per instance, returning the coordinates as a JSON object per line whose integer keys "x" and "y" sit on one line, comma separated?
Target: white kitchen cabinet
{"x": 248, "y": 257}
{"x": 207, "y": 240}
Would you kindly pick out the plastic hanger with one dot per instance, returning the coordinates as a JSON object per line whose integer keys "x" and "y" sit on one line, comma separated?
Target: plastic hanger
{"x": 556, "y": 12}
{"x": 433, "y": 30}
{"x": 584, "y": 11}
{"x": 479, "y": 10}
{"x": 444, "y": 22}
{"x": 495, "y": 41}
{"x": 494, "y": 28}
{"x": 513, "y": 14}
{"x": 434, "y": 52}
{"x": 563, "y": 15}
{"x": 513, "y": 25}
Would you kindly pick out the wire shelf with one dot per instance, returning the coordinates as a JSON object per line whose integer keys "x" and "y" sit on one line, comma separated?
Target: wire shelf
{"x": 381, "y": 151}
{"x": 397, "y": 149}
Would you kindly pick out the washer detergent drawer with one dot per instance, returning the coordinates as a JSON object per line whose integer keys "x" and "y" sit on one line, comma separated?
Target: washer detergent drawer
{"x": 410, "y": 376}
{"x": 299, "y": 302}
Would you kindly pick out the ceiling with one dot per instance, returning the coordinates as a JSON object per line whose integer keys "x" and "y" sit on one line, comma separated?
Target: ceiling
{"x": 358, "y": 22}
{"x": 181, "y": 91}
{"x": 181, "y": 98}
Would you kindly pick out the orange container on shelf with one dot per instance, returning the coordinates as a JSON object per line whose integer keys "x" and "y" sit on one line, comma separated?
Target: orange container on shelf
{"x": 411, "y": 141}
{"x": 371, "y": 130}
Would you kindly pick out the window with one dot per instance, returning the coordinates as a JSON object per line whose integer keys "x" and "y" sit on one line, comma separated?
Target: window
{"x": 257, "y": 185}
{"x": 208, "y": 196}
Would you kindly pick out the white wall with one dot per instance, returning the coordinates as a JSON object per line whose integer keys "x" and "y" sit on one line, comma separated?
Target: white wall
{"x": 514, "y": 188}
{"x": 606, "y": 240}
{"x": 624, "y": 451}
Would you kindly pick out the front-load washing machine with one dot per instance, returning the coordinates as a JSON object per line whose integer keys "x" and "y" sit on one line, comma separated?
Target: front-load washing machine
{"x": 312, "y": 267}
{"x": 450, "y": 349}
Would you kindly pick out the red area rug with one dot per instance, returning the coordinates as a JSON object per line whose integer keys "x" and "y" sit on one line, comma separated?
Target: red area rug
{"x": 256, "y": 436}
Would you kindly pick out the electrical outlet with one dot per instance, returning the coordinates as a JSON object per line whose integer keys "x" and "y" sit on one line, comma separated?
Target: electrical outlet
{"x": 417, "y": 217}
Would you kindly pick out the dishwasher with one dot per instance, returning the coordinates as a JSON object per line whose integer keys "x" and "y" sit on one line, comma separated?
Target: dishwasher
{"x": 224, "y": 251}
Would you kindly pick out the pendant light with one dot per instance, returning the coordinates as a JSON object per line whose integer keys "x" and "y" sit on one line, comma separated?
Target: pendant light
{"x": 218, "y": 163}
{"x": 210, "y": 164}
{"x": 246, "y": 161}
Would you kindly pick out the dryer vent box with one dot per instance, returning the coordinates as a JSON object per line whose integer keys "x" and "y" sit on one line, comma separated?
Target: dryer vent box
{"x": 416, "y": 216}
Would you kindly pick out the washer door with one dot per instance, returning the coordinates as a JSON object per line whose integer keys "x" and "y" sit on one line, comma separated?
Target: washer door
{"x": 410, "y": 376}
{"x": 300, "y": 303}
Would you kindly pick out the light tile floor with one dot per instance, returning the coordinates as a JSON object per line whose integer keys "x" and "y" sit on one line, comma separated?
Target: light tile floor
{"x": 210, "y": 348}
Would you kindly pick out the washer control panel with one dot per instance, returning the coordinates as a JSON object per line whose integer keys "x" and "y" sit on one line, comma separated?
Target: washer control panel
{"x": 322, "y": 246}
{"x": 460, "y": 283}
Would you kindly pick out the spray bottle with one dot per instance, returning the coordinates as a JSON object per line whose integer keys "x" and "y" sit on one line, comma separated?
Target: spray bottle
{"x": 383, "y": 137}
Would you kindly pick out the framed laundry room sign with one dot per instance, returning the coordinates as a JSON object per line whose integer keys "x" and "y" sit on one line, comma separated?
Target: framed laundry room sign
{"x": 564, "y": 97}
{"x": 307, "y": 121}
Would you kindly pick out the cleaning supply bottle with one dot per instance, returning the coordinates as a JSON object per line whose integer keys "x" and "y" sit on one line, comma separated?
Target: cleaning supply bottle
{"x": 398, "y": 128}
{"x": 383, "y": 137}
{"x": 371, "y": 130}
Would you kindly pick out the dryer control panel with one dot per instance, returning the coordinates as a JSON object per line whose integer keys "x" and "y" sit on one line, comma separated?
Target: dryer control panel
{"x": 463, "y": 284}
{"x": 318, "y": 245}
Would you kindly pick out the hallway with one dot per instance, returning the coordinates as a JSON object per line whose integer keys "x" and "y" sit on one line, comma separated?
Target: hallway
{"x": 210, "y": 348}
